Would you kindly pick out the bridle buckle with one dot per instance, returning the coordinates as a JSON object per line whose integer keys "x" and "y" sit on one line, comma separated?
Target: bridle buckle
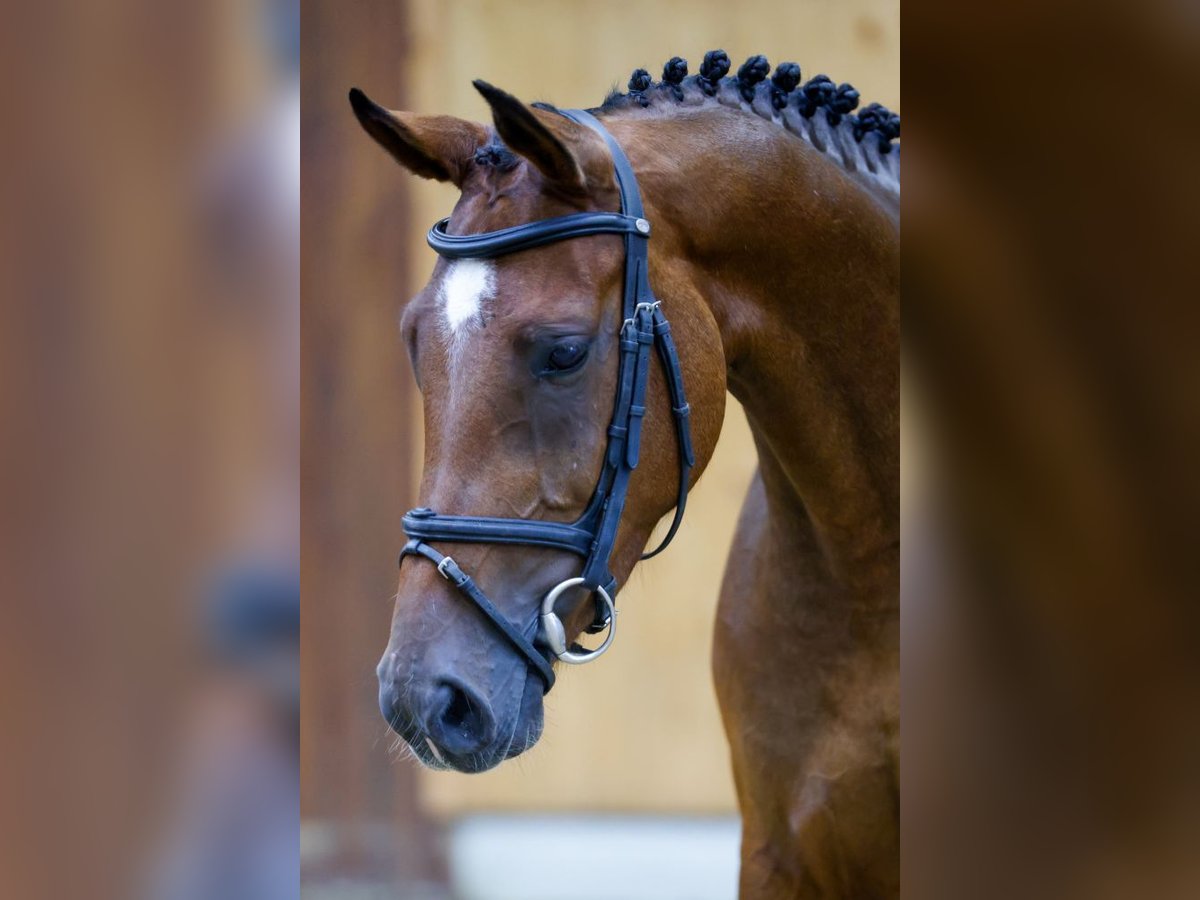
{"x": 649, "y": 305}
{"x": 446, "y": 562}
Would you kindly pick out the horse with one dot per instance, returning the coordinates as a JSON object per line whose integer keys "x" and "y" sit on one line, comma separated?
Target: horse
{"x": 775, "y": 255}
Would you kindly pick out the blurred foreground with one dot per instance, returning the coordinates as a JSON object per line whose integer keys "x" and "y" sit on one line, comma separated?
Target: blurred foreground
{"x": 149, "y": 351}
{"x": 1050, "y": 671}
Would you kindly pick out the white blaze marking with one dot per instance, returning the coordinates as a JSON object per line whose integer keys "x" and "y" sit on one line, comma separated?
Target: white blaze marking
{"x": 468, "y": 283}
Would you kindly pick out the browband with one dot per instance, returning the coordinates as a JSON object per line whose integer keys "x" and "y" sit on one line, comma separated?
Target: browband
{"x": 534, "y": 234}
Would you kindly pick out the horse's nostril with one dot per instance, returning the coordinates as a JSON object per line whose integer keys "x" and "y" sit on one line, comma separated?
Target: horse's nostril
{"x": 458, "y": 711}
{"x": 459, "y": 721}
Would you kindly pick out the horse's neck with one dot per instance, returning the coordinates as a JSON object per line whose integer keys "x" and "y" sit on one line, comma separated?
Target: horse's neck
{"x": 800, "y": 266}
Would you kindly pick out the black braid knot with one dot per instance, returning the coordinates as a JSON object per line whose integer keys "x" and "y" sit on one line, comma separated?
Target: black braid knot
{"x": 889, "y": 130}
{"x": 753, "y": 70}
{"x": 674, "y": 72}
{"x": 712, "y": 70}
{"x": 890, "y": 127}
{"x": 843, "y": 101}
{"x": 817, "y": 92}
{"x": 639, "y": 83}
{"x": 878, "y": 118}
{"x": 783, "y": 82}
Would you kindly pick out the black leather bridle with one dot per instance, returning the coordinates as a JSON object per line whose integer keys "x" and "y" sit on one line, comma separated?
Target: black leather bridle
{"x": 594, "y": 534}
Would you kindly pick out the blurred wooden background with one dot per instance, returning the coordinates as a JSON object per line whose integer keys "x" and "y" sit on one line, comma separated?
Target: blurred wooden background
{"x": 647, "y": 710}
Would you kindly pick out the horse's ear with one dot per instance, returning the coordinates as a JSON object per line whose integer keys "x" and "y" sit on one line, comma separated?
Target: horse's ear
{"x": 568, "y": 154}
{"x": 439, "y": 147}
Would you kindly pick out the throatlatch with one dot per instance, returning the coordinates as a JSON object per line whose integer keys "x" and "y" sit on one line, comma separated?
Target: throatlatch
{"x": 594, "y": 534}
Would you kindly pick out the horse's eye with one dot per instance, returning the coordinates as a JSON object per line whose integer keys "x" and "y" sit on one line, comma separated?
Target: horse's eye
{"x": 565, "y": 357}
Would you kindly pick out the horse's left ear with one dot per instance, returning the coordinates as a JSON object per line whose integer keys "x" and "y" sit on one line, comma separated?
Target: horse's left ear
{"x": 573, "y": 158}
{"x": 438, "y": 147}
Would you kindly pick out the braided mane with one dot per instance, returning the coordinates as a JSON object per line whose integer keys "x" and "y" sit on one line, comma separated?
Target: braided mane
{"x": 819, "y": 111}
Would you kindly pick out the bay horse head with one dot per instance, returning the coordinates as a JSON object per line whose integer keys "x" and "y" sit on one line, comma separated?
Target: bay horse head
{"x": 520, "y": 342}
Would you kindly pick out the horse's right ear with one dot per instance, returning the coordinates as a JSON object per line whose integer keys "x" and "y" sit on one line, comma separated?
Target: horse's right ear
{"x": 572, "y": 157}
{"x": 438, "y": 147}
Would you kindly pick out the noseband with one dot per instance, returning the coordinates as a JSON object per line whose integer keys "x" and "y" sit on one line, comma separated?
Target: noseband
{"x": 594, "y": 534}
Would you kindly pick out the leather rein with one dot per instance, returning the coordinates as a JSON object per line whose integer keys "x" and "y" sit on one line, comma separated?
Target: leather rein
{"x": 594, "y": 534}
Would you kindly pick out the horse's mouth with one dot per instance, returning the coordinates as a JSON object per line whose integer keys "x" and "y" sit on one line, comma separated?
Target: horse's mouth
{"x": 433, "y": 757}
